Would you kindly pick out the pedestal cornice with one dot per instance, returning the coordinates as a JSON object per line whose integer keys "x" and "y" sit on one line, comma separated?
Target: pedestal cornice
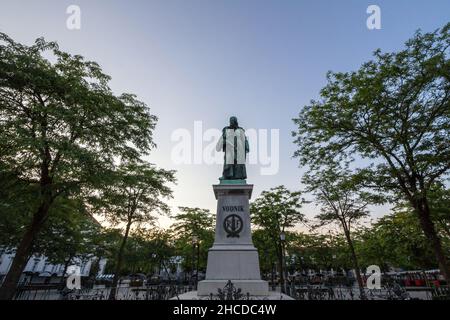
{"x": 223, "y": 189}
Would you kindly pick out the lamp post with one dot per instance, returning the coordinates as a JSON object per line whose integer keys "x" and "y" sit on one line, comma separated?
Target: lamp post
{"x": 198, "y": 259}
{"x": 283, "y": 267}
{"x": 194, "y": 243}
{"x": 333, "y": 264}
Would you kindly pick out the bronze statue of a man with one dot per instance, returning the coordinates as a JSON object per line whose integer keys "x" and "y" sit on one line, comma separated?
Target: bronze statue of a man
{"x": 235, "y": 145}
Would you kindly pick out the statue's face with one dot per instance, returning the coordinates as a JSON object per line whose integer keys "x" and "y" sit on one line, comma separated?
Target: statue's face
{"x": 233, "y": 122}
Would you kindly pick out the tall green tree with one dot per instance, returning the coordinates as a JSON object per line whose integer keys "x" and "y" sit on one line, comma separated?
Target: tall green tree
{"x": 267, "y": 252}
{"x": 312, "y": 251}
{"x": 276, "y": 211}
{"x": 61, "y": 129}
{"x": 395, "y": 240}
{"x": 146, "y": 251}
{"x": 134, "y": 200}
{"x": 70, "y": 234}
{"x": 162, "y": 250}
{"x": 193, "y": 229}
{"x": 17, "y": 199}
{"x": 439, "y": 197}
{"x": 393, "y": 114}
{"x": 343, "y": 201}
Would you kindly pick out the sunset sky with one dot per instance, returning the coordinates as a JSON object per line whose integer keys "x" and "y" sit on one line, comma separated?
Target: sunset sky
{"x": 208, "y": 60}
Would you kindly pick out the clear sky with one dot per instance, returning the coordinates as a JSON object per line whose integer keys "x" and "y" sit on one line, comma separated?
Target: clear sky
{"x": 207, "y": 60}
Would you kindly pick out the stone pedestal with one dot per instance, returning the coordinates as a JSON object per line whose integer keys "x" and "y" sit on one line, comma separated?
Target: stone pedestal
{"x": 233, "y": 255}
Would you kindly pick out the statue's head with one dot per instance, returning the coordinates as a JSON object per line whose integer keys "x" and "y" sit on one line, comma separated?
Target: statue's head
{"x": 234, "y": 122}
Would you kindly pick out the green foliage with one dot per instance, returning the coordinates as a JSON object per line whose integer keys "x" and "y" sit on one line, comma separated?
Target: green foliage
{"x": 61, "y": 121}
{"x": 17, "y": 199}
{"x": 393, "y": 111}
{"x": 304, "y": 251}
{"x": 133, "y": 198}
{"x": 190, "y": 222}
{"x": 342, "y": 197}
{"x": 277, "y": 210}
{"x": 192, "y": 227}
{"x": 439, "y": 199}
{"x": 266, "y": 250}
{"x": 69, "y": 233}
{"x": 144, "y": 252}
{"x": 62, "y": 131}
{"x": 395, "y": 240}
{"x": 135, "y": 195}
{"x": 393, "y": 114}
{"x": 310, "y": 251}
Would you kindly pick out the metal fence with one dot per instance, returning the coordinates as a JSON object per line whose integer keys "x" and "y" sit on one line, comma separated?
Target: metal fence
{"x": 386, "y": 292}
{"x": 166, "y": 292}
{"x": 152, "y": 292}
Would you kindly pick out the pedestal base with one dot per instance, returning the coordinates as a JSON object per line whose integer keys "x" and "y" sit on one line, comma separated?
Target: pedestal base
{"x": 253, "y": 287}
{"x": 193, "y": 295}
{"x": 233, "y": 262}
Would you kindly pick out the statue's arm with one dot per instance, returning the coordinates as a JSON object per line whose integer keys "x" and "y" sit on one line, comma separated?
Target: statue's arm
{"x": 247, "y": 146}
{"x": 224, "y": 139}
{"x": 221, "y": 143}
{"x": 219, "y": 146}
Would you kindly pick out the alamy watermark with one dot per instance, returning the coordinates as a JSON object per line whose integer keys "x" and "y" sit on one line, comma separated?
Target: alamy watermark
{"x": 373, "y": 22}
{"x": 374, "y": 279}
{"x": 74, "y": 279}
{"x": 73, "y": 21}
{"x": 200, "y": 146}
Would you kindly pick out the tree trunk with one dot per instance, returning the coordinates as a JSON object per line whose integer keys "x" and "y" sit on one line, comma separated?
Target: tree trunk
{"x": 429, "y": 230}
{"x": 23, "y": 252}
{"x": 355, "y": 265}
{"x": 112, "y": 293}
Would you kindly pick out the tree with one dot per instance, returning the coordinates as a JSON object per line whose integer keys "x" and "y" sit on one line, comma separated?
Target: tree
{"x": 275, "y": 211}
{"x": 69, "y": 234}
{"x": 312, "y": 251}
{"x": 162, "y": 250}
{"x": 135, "y": 198}
{"x": 267, "y": 252}
{"x": 193, "y": 227}
{"x": 395, "y": 240}
{"x": 393, "y": 115}
{"x": 62, "y": 128}
{"x": 342, "y": 200}
{"x": 110, "y": 238}
{"x": 439, "y": 198}
{"x": 16, "y": 201}
{"x": 145, "y": 251}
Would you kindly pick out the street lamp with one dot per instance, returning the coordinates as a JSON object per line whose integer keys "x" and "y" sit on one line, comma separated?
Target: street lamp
{"x": 197, "y": 241}
{"x": 283, "y": 267}
{"x": 333, "y": 264}
{"x": 302, "y": 265}
{"x": 194, "y": 243}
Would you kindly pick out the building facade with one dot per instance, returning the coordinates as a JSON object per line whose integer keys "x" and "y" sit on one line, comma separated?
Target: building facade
{"x": 40, "y": 270}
